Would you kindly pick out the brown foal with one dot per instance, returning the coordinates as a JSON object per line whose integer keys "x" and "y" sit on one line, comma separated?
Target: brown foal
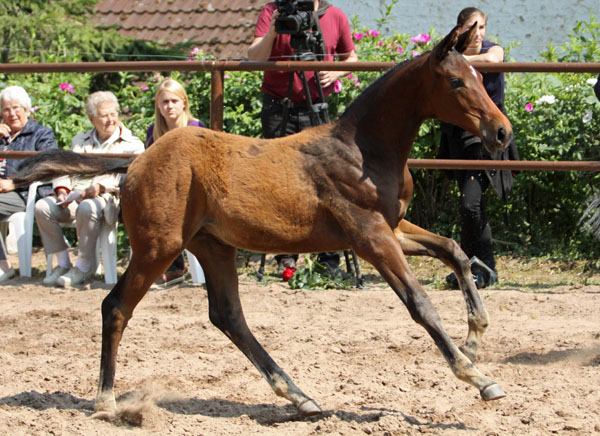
{"x": 333, "y": 187}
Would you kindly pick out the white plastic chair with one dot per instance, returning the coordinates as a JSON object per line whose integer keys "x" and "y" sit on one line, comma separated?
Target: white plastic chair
{"x": 195, "y": 269}
{"x": 21, "y": 231}
{"x": 106, "y": 250}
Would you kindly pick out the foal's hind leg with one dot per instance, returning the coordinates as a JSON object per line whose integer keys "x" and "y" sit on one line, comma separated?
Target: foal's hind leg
{"x": 225, "y": 312}
{"x": 377, "y": 244}
{"x": 416, "y": 241}
{"x": 117, "y": 309}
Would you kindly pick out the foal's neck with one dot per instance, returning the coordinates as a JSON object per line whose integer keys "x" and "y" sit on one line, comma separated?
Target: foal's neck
{"x": 384, "y": 120}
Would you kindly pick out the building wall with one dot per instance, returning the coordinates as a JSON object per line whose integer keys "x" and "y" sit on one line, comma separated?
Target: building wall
{"x": 533, "y": 23}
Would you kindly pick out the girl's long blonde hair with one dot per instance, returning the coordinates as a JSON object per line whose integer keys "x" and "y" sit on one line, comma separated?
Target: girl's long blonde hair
{"x": 160, "y": 124}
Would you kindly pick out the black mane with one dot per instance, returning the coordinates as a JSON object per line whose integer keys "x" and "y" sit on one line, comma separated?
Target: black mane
{"x": 359, "y": 101}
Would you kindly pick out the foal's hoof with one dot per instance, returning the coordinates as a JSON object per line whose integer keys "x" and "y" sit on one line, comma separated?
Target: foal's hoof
{"x": 309, "y": 408}
{"x": 105, "y": 409}
{"x": 492, "y": 392}
{"x": 467, "y": 352}
{"x": 104, "y": 416}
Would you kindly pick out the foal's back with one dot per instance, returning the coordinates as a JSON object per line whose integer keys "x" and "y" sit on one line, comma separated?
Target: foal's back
{"x": 251, "y": 193}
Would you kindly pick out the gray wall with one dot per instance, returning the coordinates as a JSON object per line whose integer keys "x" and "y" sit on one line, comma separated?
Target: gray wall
{"x": 533, "y": 23}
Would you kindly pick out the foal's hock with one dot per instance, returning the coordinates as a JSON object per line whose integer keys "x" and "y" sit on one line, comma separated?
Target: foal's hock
{"x": 333, "y": 187}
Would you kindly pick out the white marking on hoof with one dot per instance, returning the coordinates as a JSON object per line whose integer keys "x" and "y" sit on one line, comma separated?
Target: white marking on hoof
{"x": 104, "y": 416}
{"x": 492, "y": 392}
{"x": 105, "y": 409}
{"x": 309, "y": 408}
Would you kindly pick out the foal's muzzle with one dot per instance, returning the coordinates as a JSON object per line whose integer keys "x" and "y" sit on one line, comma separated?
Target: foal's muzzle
{"x": 497, "y": 137}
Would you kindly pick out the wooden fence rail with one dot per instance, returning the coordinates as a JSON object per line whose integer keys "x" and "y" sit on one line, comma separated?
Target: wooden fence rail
{"x": 218, "y": 68}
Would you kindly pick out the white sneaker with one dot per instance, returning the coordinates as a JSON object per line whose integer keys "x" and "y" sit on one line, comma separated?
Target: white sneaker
{"x": 74, "y": 277}
{"x": 7, "y": 275}
{"x": 54, "y": 275}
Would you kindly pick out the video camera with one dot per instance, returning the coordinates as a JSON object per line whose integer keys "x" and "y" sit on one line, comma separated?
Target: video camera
{"x": 295, "y": 16}
{"x": 297, "y": 19}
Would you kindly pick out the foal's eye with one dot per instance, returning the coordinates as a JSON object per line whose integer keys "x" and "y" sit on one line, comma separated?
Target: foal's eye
{"x": 456, "y": 83}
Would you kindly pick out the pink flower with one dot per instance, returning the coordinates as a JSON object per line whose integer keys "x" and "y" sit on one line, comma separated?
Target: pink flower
{"x": 337, "y": 86}
{"x": 67, "y": 87}
{"x": 288, "y": 273}
{"x": 350, "y": 76}
{"x": 421, "y": 39}
{"x": 358, "y": 36}
{"x": 191, "y": 58}
{"x": 144, "y": 88}
{"x": 373, "y": 33}
{"x": 529, "y": 107}
{"x": 226, "y": 76}
{"x": 415, "y": 53}
{"x": 381, "y": 43}
{"x": 400, "y": 49}
{"x": 34, "y": 109}
{"x": 195, "y": 50}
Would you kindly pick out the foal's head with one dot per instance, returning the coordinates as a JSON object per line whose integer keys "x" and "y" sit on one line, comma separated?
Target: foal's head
{"x": 459, "y": 97}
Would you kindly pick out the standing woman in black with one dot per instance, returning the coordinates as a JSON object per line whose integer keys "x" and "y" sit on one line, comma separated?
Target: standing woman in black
{"x": 456, "y": 143}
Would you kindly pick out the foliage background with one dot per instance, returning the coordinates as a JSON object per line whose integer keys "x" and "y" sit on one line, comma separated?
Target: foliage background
{"x": 542, "y": 216}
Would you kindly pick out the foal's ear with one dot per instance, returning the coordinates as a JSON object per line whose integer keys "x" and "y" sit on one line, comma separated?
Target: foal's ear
{"x": 464, "y": 40}
{"x": 441, "y": 50}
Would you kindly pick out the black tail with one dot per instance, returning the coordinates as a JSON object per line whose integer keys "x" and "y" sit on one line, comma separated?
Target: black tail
{"x": 591, "y": 217}
{"x": 54, "y": 163}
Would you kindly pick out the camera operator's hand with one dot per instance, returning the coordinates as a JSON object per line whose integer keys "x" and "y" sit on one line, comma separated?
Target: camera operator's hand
{"x": 273, "y": 19}
{"x": 260, "y": 49}
{"x": 328, "y": 77}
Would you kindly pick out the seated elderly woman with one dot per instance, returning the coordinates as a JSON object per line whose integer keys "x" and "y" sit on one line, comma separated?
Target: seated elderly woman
{"x": 91, "y": 201}
{"x": 17, "y": 133}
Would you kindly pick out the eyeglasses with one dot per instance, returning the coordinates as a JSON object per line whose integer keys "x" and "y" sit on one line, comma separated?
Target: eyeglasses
{"x": 17, "y": 109}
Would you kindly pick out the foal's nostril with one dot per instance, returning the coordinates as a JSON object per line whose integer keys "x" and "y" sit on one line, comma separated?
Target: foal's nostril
{"x": 501, "y": 134}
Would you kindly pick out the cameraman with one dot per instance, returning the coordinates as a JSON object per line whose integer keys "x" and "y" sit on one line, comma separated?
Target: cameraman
{"x": 268, "y": 45}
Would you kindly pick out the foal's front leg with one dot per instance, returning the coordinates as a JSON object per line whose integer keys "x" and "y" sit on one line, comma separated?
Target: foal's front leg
{"x": 225, "y": 312}
{"x": 379, "y": 246}
{"x": 416, "y": 241}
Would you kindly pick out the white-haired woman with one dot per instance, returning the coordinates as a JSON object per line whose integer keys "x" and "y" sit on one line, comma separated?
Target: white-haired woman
{"x": 96, "y": 199}
{"x": 17, "y": 133}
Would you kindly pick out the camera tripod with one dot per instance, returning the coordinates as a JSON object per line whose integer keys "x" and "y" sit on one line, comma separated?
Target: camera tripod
{"x": 318, "y": 115}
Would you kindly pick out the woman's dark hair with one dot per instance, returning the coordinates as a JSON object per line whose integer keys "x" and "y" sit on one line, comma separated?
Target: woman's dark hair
{"x": 466, "y": 13}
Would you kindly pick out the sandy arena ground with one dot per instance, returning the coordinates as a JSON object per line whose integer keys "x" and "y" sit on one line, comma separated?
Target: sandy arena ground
{"x": 356, "y": 352}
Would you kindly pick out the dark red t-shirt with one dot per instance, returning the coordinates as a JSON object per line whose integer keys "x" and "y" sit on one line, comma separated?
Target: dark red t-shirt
{"x": 338, "y": 41}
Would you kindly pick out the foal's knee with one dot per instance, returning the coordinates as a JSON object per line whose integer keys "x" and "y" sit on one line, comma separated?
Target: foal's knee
{"x": 456, "y": 251}
{"x": 228, "y": 320}
{"x": 218, "y": 320}
{"x": 422, "y": 311}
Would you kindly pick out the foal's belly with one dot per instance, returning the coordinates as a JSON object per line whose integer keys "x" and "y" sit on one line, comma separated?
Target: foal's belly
{"x": 278, "y": 228}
